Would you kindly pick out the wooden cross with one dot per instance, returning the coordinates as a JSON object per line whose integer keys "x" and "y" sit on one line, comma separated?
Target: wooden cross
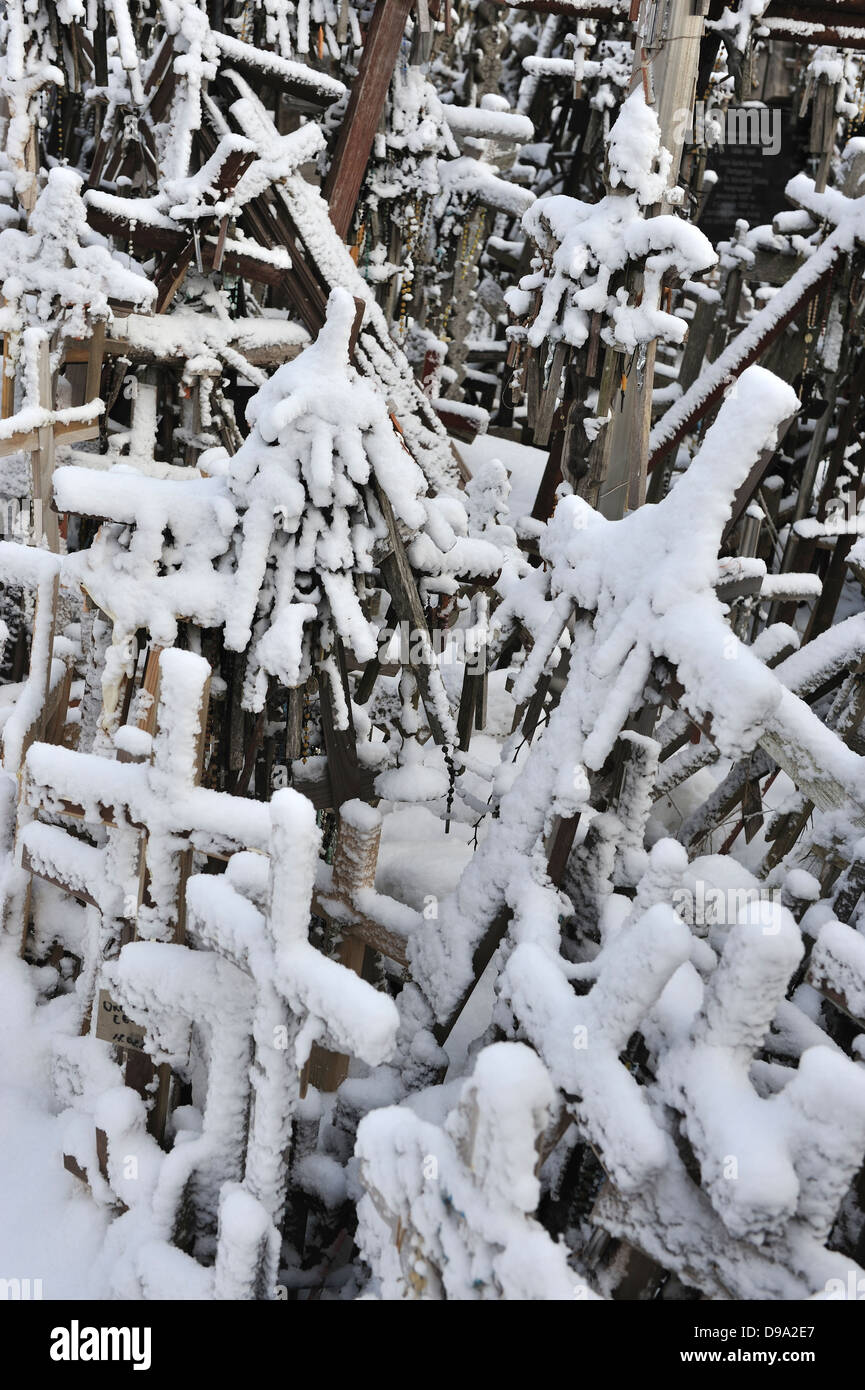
{"x": 159, "y": 795}
{"x": 117, "y": 217}
{"x": 265, "y": 993}
{"x": 40, "y": 710}
{"x": 172, "y": 990}
{"x": 74, "y": 493}
{"x": 177, "y": 249}
{"x": 808, "y": 283}
{"x": 41, "y": 705}
{"x": 363, "y": 114}
{"x": 38, "y": 428}
{"x": 154, "y": 811}
{"x": 456, "y": 1185}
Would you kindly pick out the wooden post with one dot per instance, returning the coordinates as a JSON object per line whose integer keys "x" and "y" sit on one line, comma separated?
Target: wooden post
{"x": 140, "y": 1070}
{"x": 363, "y": 113}
{"x": 670, "y": 73}
{"x": 354, "y": 865}
{"x": 42, "y": 457}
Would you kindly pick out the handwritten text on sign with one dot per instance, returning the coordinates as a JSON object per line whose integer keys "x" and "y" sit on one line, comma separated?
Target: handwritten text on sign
{"x": 113, "y": 1025}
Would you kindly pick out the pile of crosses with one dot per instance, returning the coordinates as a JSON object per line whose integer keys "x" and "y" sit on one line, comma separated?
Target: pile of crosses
{"x": 167, "y": 243}
{"x": 233, "y": 358}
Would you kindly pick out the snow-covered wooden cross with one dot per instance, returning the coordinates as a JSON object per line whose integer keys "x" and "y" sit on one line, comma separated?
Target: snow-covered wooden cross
{"x": 196, "y": 205}
{"x": 188, "y": 226}
{"x": 773, "y": 1157}
{"x": 263, "y": 992}
{"x": 39, "y": 711}
{"x": 38, "y": 427}
{"x": 73, "y": 284}
{"x": 640, "y": 611}
{"x": 151, "y": 814}
{"x": 320, "y": 489}
{"x": 38, "y": 703}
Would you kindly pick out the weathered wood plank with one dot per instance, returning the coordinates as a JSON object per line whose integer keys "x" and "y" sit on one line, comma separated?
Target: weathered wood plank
{"x": 363, "y": 113}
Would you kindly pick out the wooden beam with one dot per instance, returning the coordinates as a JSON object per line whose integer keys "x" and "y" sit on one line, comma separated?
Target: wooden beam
{"x": 319, "y": 790}
{"x": 753, "y": 354}
{"x": 80, "y": 894}
{"x": 407, "y": 607}
{"x": 586, "y": 9}
{"x": 354, "y": 866}
{"x": 151, "y": 238}
{"x": 363, "y": 113}
{"x": 621, "y": 451}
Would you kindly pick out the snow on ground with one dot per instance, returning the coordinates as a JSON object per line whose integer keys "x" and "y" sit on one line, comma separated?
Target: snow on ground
{"x": 417, "y": 862}
{"x": 524, "y": 464}
{"x": 50, "y": 1229}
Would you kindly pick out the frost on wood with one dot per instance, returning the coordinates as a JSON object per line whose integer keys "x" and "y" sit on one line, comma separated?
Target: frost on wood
{"x": 432, "y": 828}
{"x": 448, "y": 1209}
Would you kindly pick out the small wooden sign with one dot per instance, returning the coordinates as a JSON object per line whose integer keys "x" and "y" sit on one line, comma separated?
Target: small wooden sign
{"x": 113, "y": 1025}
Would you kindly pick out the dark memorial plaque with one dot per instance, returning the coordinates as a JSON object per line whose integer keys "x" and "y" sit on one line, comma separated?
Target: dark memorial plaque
{"x": 752, "y": 172}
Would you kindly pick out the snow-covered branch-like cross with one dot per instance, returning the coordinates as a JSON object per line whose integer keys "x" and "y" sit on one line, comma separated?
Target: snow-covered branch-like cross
{"x": 642, "y": 596}
{"x": 158, "y": 795}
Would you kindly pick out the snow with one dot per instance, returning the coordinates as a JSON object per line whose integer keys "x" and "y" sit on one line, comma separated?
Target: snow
{"x": 39, "y": 569}
{"x": 60, "y": 262}
{"x": 584, "y": 245}
{"x": 847, "y": 214}
{"x": 636, "y": 156}
{"x": 292, "y": 498}
{"x": 270, "y": 64}
{"x": 463, "y": 1191}
{"x": 488, "y": 124}
{"x": 50, "y": 1228}
{"x": 637, "y": 1039}
{"x": 184, "y": 333}
{"x": 838, "y": 960}
{"x": 466, "y": 175}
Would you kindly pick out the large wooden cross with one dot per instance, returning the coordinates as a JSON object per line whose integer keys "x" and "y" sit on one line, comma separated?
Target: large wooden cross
{"x": 363, "y": 114}
{"x": 149, "y": 805}
{"x": 156, "y": 790}
{"x": 264, "y": 992}
{"x": 199, "y": 235}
